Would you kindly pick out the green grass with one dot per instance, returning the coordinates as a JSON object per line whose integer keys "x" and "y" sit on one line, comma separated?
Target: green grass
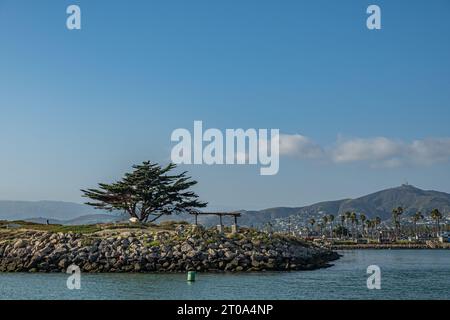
{"x": 52, "y": 227}
{"x": 111, "y": 226}
{"x": 403, "y": 242}
{"x": 87, "y": 229}
{"x": 154, "y": 243}
{"x": 170, "y": 224}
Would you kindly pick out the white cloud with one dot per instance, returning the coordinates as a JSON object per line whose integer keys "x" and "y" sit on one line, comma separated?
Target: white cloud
{"x": 430, "y": 151}
{"x": 299, "y": 146}
{"x": 374, "y": 149}
{"x": 377, "y": 152}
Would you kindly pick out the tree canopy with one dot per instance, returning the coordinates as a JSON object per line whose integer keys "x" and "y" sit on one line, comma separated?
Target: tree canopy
{"x": 148, "y": 192}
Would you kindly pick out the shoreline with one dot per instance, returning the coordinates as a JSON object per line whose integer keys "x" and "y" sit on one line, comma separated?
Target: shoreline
{"x": 415, "y": 246}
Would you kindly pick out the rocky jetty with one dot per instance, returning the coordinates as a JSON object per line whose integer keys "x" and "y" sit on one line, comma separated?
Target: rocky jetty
{"x": 184, "y": 248}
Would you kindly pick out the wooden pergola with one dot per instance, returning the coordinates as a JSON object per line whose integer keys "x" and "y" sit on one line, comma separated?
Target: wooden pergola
{"x": 219, "y": 214}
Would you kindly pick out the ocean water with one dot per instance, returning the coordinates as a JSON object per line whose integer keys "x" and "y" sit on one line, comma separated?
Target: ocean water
{"x": 405, "y": 274}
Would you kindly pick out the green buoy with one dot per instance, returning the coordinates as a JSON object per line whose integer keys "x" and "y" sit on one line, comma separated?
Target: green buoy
{"x": 191, "y": 276}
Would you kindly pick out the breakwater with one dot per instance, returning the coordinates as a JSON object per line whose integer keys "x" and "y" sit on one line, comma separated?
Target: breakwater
{"x": 182, "y": 249}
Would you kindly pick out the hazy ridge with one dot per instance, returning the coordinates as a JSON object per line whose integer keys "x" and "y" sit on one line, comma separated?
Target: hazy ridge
{"x": 380, "y": 203}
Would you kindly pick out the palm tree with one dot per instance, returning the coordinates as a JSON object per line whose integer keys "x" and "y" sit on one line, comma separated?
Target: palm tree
{"x": 312, "y": 222}
{"x": 321, "y": 226}
{"x": 369, "y": 226}
{"x": 396, "y": 213}
{"x": 437, "y": 216}
{"x": 377, "y": 221}
{"x": 342, "y": 224}
{"x": 331, "y": 219}
{"x": 353, "y": 218}
{"x": 324, "y": 221}
{"x": 363, "y": 218}
{"x": 347, "y": 214}
{"x": 416, "y": 217}
{"x": 357, "y": 227}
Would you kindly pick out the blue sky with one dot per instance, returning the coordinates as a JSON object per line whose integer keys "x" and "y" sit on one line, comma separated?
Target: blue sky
{"x": 80, "y": 107}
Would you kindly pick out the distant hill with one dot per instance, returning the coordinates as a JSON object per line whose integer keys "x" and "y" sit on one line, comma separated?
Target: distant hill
{"x": 87, "y": 219}
{"x": 380, "y": 204}
{"x": 15, "y": 210}
{"x": 256, "y": 218}
{"x": 412, "y": 199}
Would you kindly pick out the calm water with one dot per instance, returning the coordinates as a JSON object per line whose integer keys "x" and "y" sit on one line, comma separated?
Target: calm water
{"x": 406, "y": 274}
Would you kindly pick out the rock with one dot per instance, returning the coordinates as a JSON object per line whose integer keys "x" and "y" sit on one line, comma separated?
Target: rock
{"x": 230, "y": 255}
{"x": 45, "y": 251}
{"x": 212, "y": 253}
{"x": 191, "y": 254}
{"x": 63, "y": 264}
{"x": 186, "y": 247}
{"x": 255, "y": 264}
{"x": 202, "y": 250}
{"x": 20, "y": 244}
{"x": 93, "y": 257}
{"x": 180, "y": 230}
{"x": 256, "y": 242}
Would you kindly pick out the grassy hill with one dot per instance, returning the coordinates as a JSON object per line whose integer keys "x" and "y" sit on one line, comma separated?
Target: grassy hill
{"x": 380, "y": 204}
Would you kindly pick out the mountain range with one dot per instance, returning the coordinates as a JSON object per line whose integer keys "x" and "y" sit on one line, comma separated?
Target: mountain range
{"x": 380, "y": 203}
{"x": 57, "y": 212}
